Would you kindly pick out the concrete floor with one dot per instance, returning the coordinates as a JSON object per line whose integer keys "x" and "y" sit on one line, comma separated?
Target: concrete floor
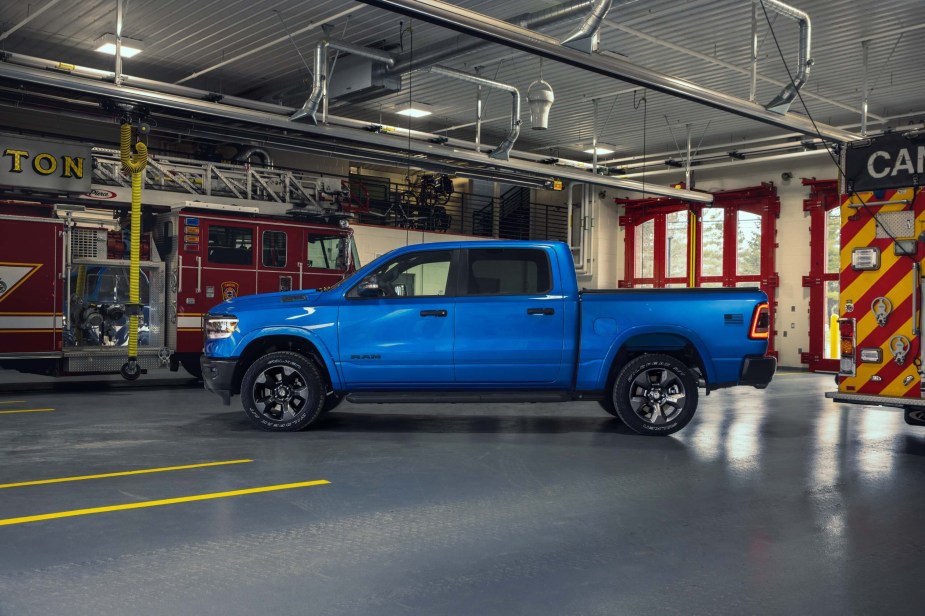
{"x": 773, "y": 502}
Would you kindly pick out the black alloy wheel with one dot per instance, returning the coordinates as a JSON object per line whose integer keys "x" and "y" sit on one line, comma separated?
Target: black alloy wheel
{"x": 655, "y": 395}
{"x": 283, "y": 392}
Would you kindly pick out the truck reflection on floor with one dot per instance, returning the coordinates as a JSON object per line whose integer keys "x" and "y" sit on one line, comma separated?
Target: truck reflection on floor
{"x": 97, "y": 307}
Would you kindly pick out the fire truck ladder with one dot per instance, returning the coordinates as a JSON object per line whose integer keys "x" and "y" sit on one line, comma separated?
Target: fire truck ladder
{"x": 208, "y": 179}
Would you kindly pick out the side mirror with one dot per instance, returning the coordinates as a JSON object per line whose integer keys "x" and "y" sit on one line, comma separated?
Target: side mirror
{"x": 369, "y": 287}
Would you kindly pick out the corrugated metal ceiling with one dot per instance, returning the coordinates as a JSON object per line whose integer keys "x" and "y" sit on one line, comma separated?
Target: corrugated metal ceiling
{"x": 707, "y": 42}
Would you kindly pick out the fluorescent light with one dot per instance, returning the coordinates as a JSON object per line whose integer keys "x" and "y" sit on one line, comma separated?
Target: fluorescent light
{"x": 107, "y": 44}
{"x": 603, "y": 149}
{"x": 414, "y": 109}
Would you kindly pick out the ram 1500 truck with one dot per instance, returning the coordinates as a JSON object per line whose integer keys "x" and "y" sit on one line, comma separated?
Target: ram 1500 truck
{"x": 484, "y": 321}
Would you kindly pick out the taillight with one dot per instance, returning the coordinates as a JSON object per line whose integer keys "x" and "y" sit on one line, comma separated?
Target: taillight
{"x": 847, "y": 363}
{"x": 761, "y": 322}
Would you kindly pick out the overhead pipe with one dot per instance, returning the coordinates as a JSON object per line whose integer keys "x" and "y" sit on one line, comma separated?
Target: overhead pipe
{"x": 320, "y": 78}
{"x": 503, "y": 151}
{"x": 498, "y": 31}
{"x": 586, "y": 36}
{"x": 781, "y": 103}
{"x": 459, "y": 151}
{"x": 439, "y": 52}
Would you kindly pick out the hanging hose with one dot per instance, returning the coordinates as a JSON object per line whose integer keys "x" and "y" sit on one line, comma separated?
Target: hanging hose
{"x": 134, "y": 164}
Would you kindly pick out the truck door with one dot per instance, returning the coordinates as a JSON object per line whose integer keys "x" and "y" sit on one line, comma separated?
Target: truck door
{"x": 510, "y": 323}
{"x": 280, "y": 251}
{"x": 396, "y": 325}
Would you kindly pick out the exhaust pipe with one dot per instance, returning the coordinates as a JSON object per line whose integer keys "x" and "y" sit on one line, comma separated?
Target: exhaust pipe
{"x": 586, "y": 37}
{"x": 781, "y": 103}
{"x": 321, "y": 69}
{"x": 502, "y": 152}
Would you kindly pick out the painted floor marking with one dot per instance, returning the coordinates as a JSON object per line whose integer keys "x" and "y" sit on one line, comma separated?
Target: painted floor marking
{"x": 12, "y": 401}
{"x": 24, "y": 411}
{"x": 159, "y": 503}
{"x": 120, "y": 474}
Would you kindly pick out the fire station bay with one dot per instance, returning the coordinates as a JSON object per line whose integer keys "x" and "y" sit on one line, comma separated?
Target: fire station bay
{"x": 453, "y": 307}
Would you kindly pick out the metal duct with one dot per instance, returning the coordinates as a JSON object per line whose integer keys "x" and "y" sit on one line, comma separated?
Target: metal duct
{"x": 503, "y": 151}
{"x": 781, "y": 103}
{"x": 586, "y": 37}
{"x": 319, "y": 83}
{"x": 245, "y": 156}
{"x": 498, "y": 31}
{"x": 541, "y": 98}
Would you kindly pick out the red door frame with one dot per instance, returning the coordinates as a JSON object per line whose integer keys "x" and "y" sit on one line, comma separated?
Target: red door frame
{"x": 761, "y": 200}
{"x": 823, "y": 197}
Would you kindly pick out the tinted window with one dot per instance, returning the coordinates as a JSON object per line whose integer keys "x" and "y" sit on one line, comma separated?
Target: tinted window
{"x": 232, "y": 245}
{"x": 508, "y": 271}
{"x": 415, "y": 275}
{"x": 274, "y": 248}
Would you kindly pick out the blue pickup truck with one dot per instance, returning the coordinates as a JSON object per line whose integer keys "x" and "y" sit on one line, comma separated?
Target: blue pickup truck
{"x": 484, "y": 321}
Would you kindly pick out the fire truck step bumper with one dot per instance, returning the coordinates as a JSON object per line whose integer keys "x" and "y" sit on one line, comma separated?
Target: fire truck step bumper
{"x": 893, "y": 401}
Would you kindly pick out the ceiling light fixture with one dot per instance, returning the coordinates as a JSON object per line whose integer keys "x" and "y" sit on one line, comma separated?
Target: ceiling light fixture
{"x": 603, "y": 149}
{"x": 107, "y": 44}
{"x": 414, "y": 109}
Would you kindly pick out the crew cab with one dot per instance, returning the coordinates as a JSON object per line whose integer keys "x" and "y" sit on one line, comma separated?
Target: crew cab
{"x": 484, "y": 321}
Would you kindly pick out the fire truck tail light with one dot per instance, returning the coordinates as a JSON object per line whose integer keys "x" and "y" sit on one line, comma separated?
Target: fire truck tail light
{"x": 848, "y": 361}
{"x": 761, "y": 322}
{"x": 220, "y": 326}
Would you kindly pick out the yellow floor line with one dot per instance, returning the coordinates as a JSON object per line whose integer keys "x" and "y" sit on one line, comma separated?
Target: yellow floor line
{"x": 11, "y": 401}
{"x": 158, "y": 503}
{"x": 24, "y": 411}
{"x": 120, "y": 473}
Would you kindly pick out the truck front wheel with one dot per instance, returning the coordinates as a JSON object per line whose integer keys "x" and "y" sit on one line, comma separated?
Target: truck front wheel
{"x": 655, "y": 395}
{"x": 282, "y": 392}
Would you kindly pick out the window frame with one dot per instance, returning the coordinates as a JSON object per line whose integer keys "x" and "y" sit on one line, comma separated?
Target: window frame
{"x": 463, "y": 277}
{"x": 263, "y": 248}
{"x": 243, "y": 228}
{"x": 452, "y": 279}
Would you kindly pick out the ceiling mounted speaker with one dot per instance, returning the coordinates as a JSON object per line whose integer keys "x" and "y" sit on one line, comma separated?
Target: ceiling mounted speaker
{"x": 540, "y": 97}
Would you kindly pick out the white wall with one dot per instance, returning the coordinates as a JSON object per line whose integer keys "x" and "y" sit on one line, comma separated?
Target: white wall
{"x": 373, "y": 241}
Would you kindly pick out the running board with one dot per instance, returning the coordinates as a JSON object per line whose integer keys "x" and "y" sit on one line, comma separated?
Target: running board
{"x": 416, "y": 397}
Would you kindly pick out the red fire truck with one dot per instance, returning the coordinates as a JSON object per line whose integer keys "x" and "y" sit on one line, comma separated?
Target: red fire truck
{"x": 64, "y": 266}
{"x": 882, "y": 289}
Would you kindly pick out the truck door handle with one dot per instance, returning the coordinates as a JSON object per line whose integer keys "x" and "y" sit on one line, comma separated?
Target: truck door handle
{"x": 433, "y": 313}
{"x": 544, "y": 311}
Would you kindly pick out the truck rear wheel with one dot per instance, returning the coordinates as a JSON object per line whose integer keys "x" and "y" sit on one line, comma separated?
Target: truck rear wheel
{"x": 655, "y": 395}
{"x": 282, "y": 392}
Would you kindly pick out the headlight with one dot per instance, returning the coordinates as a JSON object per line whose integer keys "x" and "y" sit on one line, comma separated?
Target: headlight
{"x": 220, "y": 326}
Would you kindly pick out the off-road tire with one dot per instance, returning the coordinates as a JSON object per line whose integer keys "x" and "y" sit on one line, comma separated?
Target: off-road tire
{"x": 283, "y": 392}
{"x": 655, "y": 395}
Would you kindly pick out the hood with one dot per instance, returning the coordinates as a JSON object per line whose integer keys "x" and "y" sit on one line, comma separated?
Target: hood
{"x": 267, "y": 300}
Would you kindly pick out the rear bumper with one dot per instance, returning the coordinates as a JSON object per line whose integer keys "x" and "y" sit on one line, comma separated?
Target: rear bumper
{"x": 758, "y": 371}
{"x": 217, "y": 376}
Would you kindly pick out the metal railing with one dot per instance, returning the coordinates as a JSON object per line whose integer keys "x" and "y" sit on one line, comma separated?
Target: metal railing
{"x": 512, "y": 216}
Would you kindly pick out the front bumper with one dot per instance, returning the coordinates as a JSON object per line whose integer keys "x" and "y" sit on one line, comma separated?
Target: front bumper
{"x": 218, "y": 375}
{"x": 758, "y": 371}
